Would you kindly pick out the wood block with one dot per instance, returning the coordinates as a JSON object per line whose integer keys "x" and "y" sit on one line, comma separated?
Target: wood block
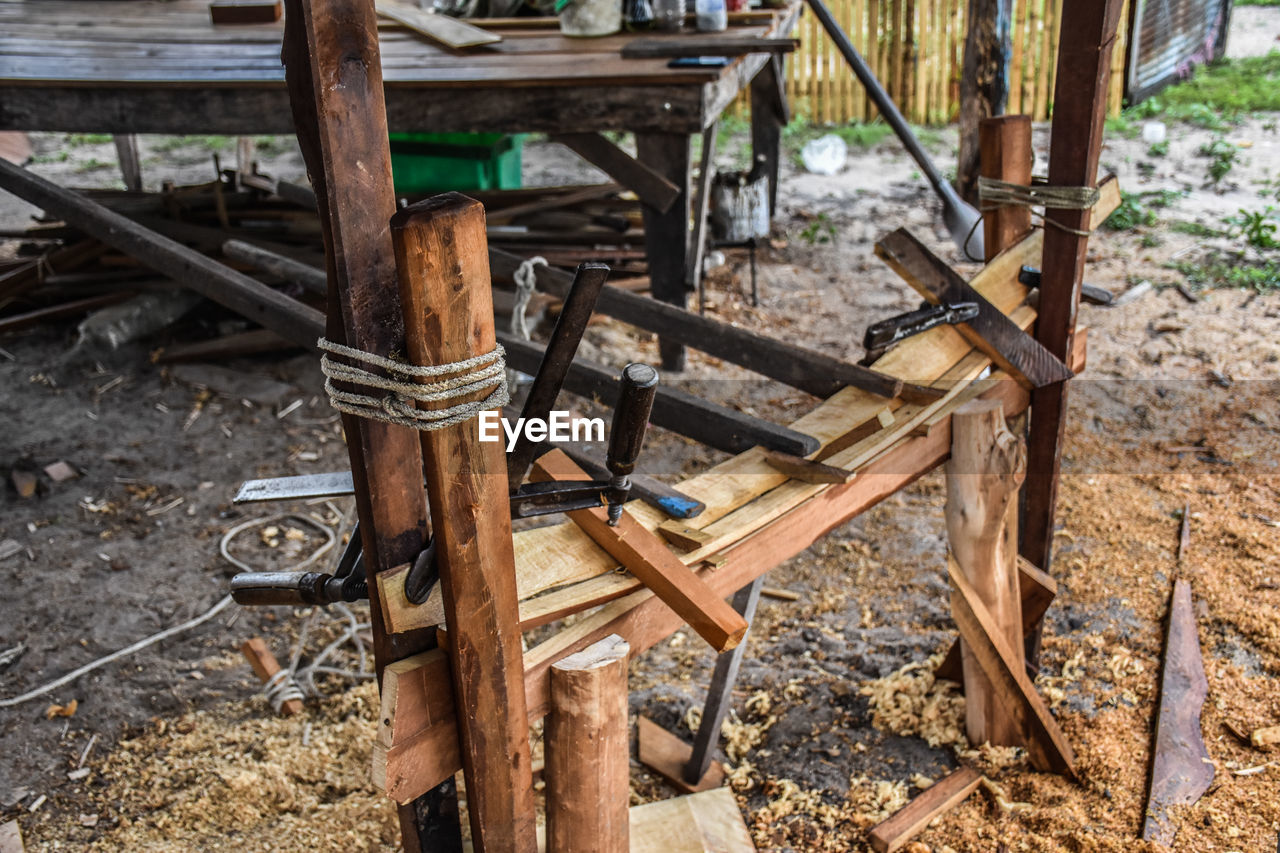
{"x": 683, "y": 536}
{"x": 245, "y": 11}
{"x": 910, "y": 820}
{"x": 665, "y": 753}
{"x": 806, "y": 470}
{"x": 707, "y": 822}
{"x": 449, "y": 31}
{"x": 265, "y": 666}
{"x": 11, "y": 838}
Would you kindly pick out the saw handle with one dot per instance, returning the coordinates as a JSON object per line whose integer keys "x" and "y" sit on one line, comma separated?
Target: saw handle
{"x": 631, "y": 418}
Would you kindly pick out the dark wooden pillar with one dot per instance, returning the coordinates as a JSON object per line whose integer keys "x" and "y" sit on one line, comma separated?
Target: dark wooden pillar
{"x": 770, "y": 113}
{"x": 666, "y": 235}
{"x": 334, "y": 74}
{"x": 1079, "y": 110}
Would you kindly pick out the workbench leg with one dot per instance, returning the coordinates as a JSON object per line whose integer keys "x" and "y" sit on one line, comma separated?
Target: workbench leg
{"x": 718, "y": 694}
{"x": 769, "y": 114}
{"x": 707, "y": 169}
{"x": 666, "y": 235}
{"x": 130, "y": 163}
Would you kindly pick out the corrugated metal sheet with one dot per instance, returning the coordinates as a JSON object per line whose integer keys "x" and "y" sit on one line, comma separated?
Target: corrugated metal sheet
{"x": 1170, "y": 38}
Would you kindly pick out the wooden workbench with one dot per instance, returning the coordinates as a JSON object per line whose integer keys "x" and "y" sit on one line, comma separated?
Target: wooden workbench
{"x": 141, "y": 66}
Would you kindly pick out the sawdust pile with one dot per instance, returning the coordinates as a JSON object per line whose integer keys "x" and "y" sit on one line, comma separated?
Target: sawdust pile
{"x": 240, "y": 777}
{"x": 912, "y": 701}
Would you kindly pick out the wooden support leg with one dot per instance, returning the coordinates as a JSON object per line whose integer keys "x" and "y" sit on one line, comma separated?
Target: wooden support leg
{"x": 986, "y": 467}
{"x": 588, "y": 769}
{"x": 1079, "y": 110}
{"x": 666, "y": 235}
{"x": 721, "y": 688}
{"x": 130, "y": 164}
{"x": 706, "y": 169}
{"x": 442, "y": 261}
{"x": 1005, "y": 146}
{"x": 769, "y": 114}
{"x": 342, "y": 130}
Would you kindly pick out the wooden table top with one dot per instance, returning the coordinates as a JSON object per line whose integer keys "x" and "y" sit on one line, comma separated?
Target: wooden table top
{"x": 149, "y": 43}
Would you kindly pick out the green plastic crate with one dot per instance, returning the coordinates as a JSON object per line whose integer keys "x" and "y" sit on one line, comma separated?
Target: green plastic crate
{"x": 439, "y": 162}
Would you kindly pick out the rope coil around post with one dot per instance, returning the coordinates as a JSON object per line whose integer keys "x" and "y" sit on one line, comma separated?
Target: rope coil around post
{"x": 401, "y": 387}
{"x": 993, "y": 193}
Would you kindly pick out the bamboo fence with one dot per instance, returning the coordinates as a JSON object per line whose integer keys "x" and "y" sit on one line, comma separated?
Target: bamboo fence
{"x": 916, "y": 48}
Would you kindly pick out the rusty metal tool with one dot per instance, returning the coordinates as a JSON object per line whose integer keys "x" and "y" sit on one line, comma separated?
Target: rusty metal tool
{"x": 1030, "y": 276}
{"x": 885, "y": 333}
{"x": 347, "y": 583}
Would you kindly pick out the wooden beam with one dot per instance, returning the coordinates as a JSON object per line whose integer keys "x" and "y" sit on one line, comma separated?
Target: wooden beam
{"x": 588, "y": 769}
{"x": 647, "y": 557}
{"x": 987, "y": 465}
{"x": 244, "y": 11}
{"x": 806, "y": 470}
{"x": 127, "y": 153}
{"x": 63, "y": 311}
{"x": 334, "y": 75}
{"x": 910, "y": 820}
{"x": 449, "y": 31}
{"x": 649, "y": 186}
{"x": 1005, "y": 154}
{"x": 443, "y": 266}
{"x": 706, "y": 822}
{"x": 1079, "y": 110}
{"x": 651, "y": 48}
{"x": 666, "y": 231}
{"x": 668, "y": 756}
{"x": 265, "y": 666}
{"x": 1046, "y": 746}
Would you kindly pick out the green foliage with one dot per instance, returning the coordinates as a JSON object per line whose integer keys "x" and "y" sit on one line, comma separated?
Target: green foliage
{"x": 1256, "y": 227}
{"x": 75, "y": 140}
{"x": 1150, "y": 241}
{"x": 1125, "y": 124}
{"x": 1194, "y": 229}
{"x": 1159, "y": 149}
{"x": 1231, "y": 270}
{"x": 1131, "y": 213}
{"x": 820, "y": 230}
{"x": 1222, "y": 157}
{"x": 1218, "y": 95}
{"x": 212, "y": 143}
{"x": 1258, "y": 2}
{"x": 92, "y": 164}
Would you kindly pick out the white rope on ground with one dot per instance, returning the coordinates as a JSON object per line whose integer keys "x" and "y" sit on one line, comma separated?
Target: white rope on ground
{"x": 478, "y": 373}
{"x": 114, "y": 656}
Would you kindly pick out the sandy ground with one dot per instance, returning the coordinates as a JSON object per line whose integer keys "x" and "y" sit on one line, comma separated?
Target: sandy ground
{"x": 829, "y": 733}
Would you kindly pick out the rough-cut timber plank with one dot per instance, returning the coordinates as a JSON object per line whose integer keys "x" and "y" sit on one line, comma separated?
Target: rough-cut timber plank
{"x": 1181, "y": 769}
{"x": 667, "y": 231}
{"x": 448, "y": 31}
{"x": 588, "y": 769}
{"x": 647, "y": 557}
{"x": 265, "y": 666}
{"x": 660, "y": 750}
{"x": 1045, "y": 743}
{"x": 987, "y": 465}
{"x": 442, "y": 262}
{"x": 1004, "y": 144}
{"x": 1088, "y": 30}
{"x": 806, "y": 470}
{"x": 910, "y": 820}
{"x": 334, "y": 76}
{"x": 706, "y": 822}
{"x": 649, "y": 186}
{"x": 244, "y": 295}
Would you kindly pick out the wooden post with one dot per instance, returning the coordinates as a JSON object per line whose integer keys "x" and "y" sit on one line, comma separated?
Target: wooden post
{"x": 986, "y": 468}
{"x": 1079, "y": 111}
{"x": 1005, "y": 144}
{"x": 666, "y": 233}
{"x": 984, "y": 84}
{"x": 130, "y": 162}
{"x": 588, "y": 768}
{"x": 334, "y": 73}
{"x": 443, "y": 263}
{"x": 769, "y": 114}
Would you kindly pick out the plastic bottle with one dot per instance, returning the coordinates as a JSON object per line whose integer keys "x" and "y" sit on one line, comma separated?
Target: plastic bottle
{"x": 712, "y": 15}
{"x": 668, "y": 14}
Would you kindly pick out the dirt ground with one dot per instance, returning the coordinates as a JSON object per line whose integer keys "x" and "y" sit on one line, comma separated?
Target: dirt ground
{"x": 837, "y": 721}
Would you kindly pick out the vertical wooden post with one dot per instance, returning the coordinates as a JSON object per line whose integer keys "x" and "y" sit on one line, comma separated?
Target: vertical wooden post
{"x": 130, "y": 163}
{"x": 588, "y": 768}
{"x": 442, "y": 260}
{"x": 1079, "y": 110}
{"x": 1005, "y": 147}
{"x": 666, "y": 235}
{"x": 987, "y": 466}
{"x": 769, "y": 114}
{"x": 334, "y": 73}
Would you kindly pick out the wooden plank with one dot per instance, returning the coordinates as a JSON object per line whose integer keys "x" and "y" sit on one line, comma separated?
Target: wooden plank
{"x": 645, "y": 556}
{"x": 664, "y": 753}
{"x": 706, "y": 822}
{"x": 1079, "y": 110}
{"x": 1181, "y": 769}
{"x": 1047, "y": 747}
{"x": 443, "y": 269}
{"x": 652, "y": 188}
{"x": 11, "y": 837}
{"x": 807, "y": 470}
{"x": 587, "y": 741}
{"x": 1004, "y": 144}
{"x": 331, "y": 58}
{"x": 448, "y": 31}
{"x": 265, "y": 666}
{"x": 245, "y": 11}
{"x": 910, "y": 820}
{"x": 706, "y": 46}
{"x": 991, "y": 331}
{"x": 987, "y": 465}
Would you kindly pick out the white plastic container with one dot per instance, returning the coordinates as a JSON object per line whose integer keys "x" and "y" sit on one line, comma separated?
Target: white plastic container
{"x": 712, "y": 15}
{"x": 589, "y": 18}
